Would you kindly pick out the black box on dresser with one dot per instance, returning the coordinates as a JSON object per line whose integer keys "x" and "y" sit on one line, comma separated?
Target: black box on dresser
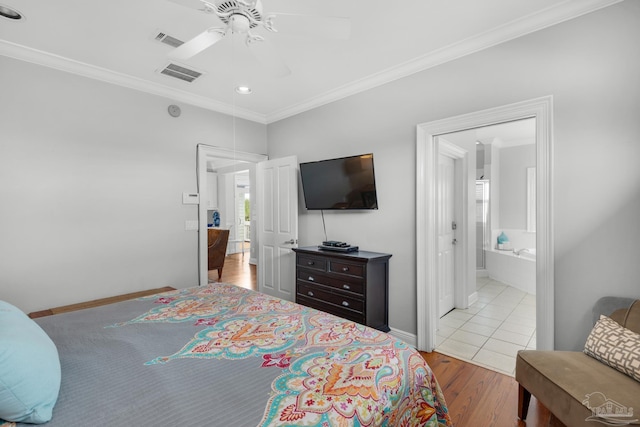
{"x": 353, "y": 285}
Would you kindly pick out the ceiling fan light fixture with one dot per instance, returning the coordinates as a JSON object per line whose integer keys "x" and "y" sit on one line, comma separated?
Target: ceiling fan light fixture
{"x": 9, "y": 12}
{"x": 239, "y": 23}
{"x": 243, "y": 90}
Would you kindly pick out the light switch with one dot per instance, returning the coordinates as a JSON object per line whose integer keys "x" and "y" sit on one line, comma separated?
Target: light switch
{"x": 190, "y": 198}
{"x": 190, "y": 225}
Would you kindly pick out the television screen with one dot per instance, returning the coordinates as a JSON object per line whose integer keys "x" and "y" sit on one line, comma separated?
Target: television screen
{"x": 344, "y": 183}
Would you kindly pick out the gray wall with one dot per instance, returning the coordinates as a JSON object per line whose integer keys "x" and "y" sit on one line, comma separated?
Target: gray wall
{"x": 91, "y": 183}
{"x": 591, "y": 66}
{"x": 514, "y": 162}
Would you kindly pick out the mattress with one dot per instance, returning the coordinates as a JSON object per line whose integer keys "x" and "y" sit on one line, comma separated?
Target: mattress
{"x": 221, "y": 355}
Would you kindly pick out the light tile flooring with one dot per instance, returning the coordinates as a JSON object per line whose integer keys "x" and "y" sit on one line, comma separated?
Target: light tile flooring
{"x": 492, "y": 330}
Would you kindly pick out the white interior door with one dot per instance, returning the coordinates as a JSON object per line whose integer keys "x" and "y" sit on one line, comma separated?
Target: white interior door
{"x": 445, "y": 228}
{"x": 277, "y": 201}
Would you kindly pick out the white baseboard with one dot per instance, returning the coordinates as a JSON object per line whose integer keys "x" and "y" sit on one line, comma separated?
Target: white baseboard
{"x": 473, "y": 298}
{"x": 411, "y": 339}
{"x": 482, "y": 273}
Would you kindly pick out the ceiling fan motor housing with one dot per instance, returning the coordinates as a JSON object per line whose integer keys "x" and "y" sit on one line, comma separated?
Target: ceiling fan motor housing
{"x": 240, "y": 17}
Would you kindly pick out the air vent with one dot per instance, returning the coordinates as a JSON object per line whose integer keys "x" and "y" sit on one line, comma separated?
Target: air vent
{"x": 180, "y": 72}
{"x": 167, "y": 39}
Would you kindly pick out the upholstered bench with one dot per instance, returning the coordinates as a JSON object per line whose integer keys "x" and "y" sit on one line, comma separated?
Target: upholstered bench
{"x": 573, "y": 385}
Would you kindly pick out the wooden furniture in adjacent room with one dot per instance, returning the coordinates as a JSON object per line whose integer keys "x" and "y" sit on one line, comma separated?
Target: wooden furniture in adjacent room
{"x": 216, "y": 249}
{"x": 352, "y": 285}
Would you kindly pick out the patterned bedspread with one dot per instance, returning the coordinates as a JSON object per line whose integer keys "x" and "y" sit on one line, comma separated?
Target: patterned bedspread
{"x": 264, "y": 361}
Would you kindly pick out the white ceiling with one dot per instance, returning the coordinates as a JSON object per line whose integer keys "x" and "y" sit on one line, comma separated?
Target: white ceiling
{"x": 114, "y": 41}
{"x": 509, "y": 134}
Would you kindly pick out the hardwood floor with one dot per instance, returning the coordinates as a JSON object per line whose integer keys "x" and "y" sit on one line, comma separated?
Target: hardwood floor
{"x": 237, "y": 271}
{"x": 480, "y": 397}
{"x": 97, "y": 302}
{"x": 476, "y": 397}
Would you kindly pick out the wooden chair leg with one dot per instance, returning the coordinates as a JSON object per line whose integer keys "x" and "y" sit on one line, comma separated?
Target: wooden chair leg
{"x": 524, "y": 397}
{"x": 554, "y": 421}
{"x": 219, "y": 273}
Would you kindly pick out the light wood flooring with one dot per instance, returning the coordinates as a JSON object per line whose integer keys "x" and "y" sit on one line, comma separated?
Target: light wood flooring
{"x": 476, "y": 397}
{"x": 238, "y": 271}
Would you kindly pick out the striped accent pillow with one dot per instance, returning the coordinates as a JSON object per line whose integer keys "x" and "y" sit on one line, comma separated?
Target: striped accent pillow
{"x": 615, "y": 346}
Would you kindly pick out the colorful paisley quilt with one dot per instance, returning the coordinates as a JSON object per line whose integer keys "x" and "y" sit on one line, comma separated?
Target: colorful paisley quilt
{"x": 333, "y": 372}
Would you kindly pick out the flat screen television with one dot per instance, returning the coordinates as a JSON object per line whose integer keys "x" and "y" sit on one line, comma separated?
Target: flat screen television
{"x": 344, "y": 183}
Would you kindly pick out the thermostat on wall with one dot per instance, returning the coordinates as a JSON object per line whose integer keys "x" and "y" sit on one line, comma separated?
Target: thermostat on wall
{"x": 190, "y": 198}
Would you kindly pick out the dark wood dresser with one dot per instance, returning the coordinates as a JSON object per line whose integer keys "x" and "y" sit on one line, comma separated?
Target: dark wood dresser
{"x": 352, "y": 285}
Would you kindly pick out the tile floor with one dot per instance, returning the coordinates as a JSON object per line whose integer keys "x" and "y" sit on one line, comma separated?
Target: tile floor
{"x": 492, "y": 330}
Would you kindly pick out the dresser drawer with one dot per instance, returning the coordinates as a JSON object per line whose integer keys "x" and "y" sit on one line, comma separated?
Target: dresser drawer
{"x": 344, "y": 283}
{"x": 327, "y": 296}
{"x": 345, "y": 268}
{"x": 312, "y": 262}
{"x": 331, "y": 309}
{"x": 352, "y": 285}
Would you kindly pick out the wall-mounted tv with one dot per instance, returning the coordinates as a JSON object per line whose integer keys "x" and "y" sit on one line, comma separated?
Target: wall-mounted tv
{"x": 344, "y": 183}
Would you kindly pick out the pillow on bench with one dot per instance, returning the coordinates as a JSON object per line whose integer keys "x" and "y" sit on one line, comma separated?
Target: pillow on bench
{"x": 615, "y": 346}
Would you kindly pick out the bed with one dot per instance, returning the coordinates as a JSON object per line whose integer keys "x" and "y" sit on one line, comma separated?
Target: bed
{"x": 222, "y": 355}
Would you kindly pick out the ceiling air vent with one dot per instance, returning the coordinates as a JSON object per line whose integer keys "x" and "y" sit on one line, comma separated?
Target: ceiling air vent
{"x": 167, "y": 39}
{"x": 180, "y": 72}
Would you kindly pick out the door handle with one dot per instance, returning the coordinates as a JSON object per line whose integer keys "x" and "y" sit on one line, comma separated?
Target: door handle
{"x": 454, "y": 241}
{"x": 290, "y": 242}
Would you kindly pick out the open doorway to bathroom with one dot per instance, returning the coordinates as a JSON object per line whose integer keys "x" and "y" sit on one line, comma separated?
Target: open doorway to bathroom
{"x": 427, "y": 151}
{"x": 501, "y": 318}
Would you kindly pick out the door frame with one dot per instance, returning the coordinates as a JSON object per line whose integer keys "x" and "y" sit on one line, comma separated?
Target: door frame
{"x": 426, "y": 174}
{"x": 205, "y": 152}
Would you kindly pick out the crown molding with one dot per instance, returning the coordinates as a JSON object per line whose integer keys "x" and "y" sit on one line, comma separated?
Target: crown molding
{"x": 61, "y": 63}
{"x": 553, "y": 15}
{"x": 548, "y": 17}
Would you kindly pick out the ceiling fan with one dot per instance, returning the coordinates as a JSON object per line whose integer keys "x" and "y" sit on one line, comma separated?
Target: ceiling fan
{"x": 242, "y": 16}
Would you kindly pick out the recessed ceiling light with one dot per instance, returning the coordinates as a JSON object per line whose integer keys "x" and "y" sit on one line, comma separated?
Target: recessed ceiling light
{"x": 243, "y": 90}
{"x": 9, "y": 12}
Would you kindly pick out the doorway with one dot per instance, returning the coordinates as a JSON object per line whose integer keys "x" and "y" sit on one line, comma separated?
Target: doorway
{"x": 426, "y": 207}
{"x": 501, "y": 318}
{"x": 226, "y": 164}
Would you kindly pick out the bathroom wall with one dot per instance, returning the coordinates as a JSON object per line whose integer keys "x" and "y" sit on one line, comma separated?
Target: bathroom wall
{"x": 514, "y": 162}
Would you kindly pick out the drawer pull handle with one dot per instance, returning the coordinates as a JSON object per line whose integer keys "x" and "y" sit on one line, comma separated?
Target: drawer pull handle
{"x": 346, "y": 304}
{"x": 345, "y": 268}
{"x": 345, "y": 286}
{"x": 311, "y": 279}
{"x": 310, "y": 293}
{"x": 310, "y": 262}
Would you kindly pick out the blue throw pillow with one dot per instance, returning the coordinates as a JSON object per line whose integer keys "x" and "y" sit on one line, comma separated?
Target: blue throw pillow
{"x": 29, "y": 368}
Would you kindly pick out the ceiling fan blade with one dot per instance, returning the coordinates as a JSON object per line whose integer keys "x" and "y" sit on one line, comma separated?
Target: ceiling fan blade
{"x": 248, "y": 3}
{"x": 197, "y": 44}
{"x": 310, "y": 25}
{"x": 268, "y": 57}
{"x": 195, "y": 5}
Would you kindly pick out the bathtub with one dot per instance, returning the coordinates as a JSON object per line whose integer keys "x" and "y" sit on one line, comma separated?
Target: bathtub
{"x": 514, "y": 270}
